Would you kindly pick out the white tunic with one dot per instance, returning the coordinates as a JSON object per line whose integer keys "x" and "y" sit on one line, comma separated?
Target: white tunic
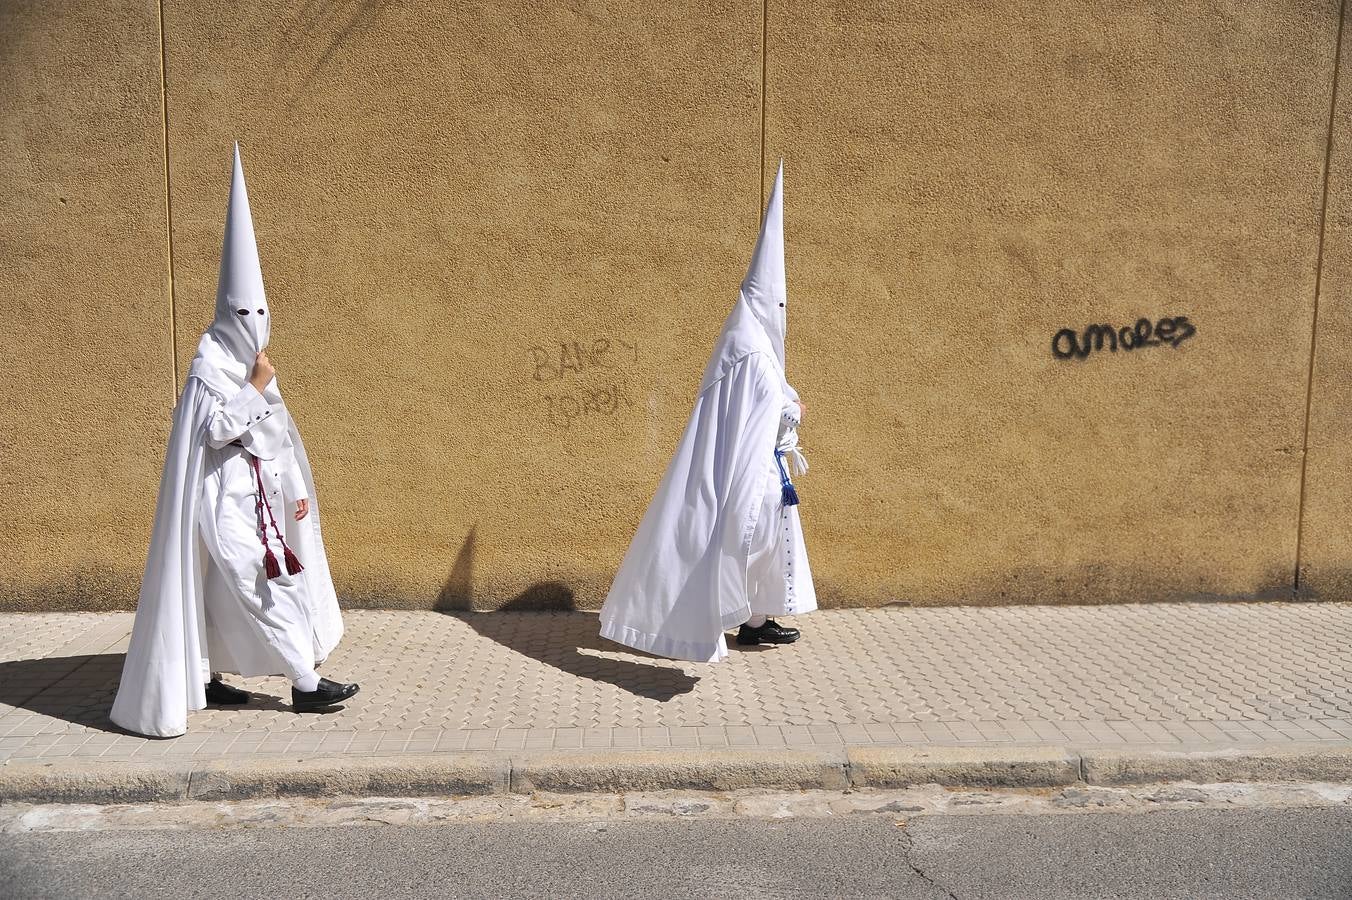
{"x": 778, "y": 577}
{"x": 255, "y": 625}
{"x": 205, "y": 603}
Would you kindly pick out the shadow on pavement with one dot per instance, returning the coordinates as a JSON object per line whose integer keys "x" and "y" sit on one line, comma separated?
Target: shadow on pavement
{"x": 80, "y": 690}
{"x": 547, "y": 626}
{"x": 76, "y": 689}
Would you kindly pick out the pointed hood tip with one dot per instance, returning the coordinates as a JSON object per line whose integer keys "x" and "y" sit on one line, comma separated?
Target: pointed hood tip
{"x": 776, "y": 188}
{"x": 240, "y": 282}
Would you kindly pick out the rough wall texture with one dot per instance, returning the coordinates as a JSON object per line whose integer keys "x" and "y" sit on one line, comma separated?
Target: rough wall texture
{"x": 89, "y": 378}
{"x": 499, "y": 242}
{"x": 1326, "y": 532}
{"x": 992, "y": 176}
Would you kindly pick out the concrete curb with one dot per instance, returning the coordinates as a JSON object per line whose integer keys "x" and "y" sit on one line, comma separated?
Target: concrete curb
{"x": 619, "y": 771}
{"x": 1009, "y": 767}
{"x": 708, "y": 770}
{"x": 1290, "y": 762}
{"x": 111, "y": 783}
{"x": 458, "y": 775}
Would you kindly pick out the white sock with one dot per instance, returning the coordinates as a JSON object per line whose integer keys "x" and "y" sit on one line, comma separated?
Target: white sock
{"x": 307, "y": 682}
{"x": 756, "y": 621}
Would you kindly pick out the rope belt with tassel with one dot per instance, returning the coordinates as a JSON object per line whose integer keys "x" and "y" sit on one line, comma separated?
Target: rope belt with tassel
{"x": 270, "y": 566}
{"x": 787, "y": 491}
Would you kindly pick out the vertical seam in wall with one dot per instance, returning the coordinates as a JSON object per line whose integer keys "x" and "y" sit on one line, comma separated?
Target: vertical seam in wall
{"x": 765, "y": 8}
{"x": 1318, "y": 287}
{"x": 168, "y": 210}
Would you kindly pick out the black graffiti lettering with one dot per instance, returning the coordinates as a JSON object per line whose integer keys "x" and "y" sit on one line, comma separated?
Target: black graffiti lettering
{"x": 1168, "y": 331}
{"x": 1143, "y": 331}
{"x": 1188, "y": 329}
{"x": 1094, "y": 336}
{"x": 1072, "y": 345}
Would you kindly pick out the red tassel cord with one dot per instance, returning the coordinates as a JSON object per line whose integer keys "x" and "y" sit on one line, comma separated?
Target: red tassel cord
{"x": 270, "y": 566}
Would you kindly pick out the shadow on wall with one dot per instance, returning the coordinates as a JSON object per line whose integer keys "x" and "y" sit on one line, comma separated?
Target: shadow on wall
{"x": 76, "y": 689}
{"x": 457, "y": 594}
{"x": 549, "y": 627}
{"x": 324, "y": 27}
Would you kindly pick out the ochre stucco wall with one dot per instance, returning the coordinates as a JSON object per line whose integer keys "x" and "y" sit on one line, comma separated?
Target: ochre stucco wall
{"x": 498, "y": 245}
{"x": 89, "y": 379}
{"x": 995, "y": 172}
{"x": 1326, "y": 533}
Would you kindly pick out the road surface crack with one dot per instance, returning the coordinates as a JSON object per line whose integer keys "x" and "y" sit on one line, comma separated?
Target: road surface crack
{"x": 908, "y": 847}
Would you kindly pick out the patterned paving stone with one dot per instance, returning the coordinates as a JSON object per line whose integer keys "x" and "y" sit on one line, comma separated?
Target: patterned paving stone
{"x": 1174, "y": 675}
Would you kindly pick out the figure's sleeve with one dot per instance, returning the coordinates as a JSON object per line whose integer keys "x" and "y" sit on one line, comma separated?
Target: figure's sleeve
{"x": 231, "y": 418}
{"x": 293, "y": 482}
{"x": 790, "y": 418}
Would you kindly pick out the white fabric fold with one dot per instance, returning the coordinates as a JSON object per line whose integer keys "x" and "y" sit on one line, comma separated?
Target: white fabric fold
{"x": 205, "y": 603}
{"x": 684, "y": 578}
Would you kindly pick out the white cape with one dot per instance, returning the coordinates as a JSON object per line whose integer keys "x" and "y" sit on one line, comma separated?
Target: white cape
{"x": 683, "y": 581}
{"x": 167, "y": 665}
{"x": 168, "y": 662}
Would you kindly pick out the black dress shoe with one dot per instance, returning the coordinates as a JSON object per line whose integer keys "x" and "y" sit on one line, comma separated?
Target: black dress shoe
{"x": 769, "y": 633}
{"x": 327, "y": 694}
{"x": 221, "y": 694}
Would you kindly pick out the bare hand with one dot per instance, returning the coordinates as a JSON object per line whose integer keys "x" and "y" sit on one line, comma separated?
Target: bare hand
{"x": 263, "y": 372}
{"x": 802, "y": 410}
{"x": 302, "y": 509}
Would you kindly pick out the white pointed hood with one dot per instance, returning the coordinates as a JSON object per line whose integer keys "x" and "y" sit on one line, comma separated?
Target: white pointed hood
{"x": 686, "y": 577}
{"x": 242, "y": 324}
{"x": 760, "y": 319}
{"x": 243, "y": 321}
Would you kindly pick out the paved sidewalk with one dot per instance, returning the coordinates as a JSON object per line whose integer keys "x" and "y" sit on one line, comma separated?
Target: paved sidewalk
{"x": 1199, "y": 677}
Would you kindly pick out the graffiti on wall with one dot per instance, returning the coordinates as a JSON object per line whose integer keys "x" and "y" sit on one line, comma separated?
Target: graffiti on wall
{"x": 1170, "y": 331}
{"x": 583, "y": 379}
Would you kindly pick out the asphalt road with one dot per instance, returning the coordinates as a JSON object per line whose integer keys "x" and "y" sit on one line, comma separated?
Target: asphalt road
{"x": 1203, "y": 853}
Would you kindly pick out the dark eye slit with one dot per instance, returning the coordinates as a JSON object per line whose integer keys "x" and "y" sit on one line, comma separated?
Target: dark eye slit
{"x": 242, "y": 312}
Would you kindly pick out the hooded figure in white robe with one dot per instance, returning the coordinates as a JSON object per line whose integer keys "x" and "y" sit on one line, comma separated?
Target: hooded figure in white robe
{"x": 234, "y": 582}
{"x": 722, "y": 542}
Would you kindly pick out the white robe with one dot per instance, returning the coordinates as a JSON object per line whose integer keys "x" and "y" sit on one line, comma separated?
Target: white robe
{"x": 778, "y": 578}
{"x": 255, "y": 626}
{"x": 205, "y": 604}
{"x": 717, "y": 544}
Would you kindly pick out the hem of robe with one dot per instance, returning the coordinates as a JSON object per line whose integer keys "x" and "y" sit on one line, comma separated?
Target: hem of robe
{"x": 712, "y": 651}
{"x": 774, "y": 611}
{"x": 230, "y": 667}
{"x": 151, "y": 731}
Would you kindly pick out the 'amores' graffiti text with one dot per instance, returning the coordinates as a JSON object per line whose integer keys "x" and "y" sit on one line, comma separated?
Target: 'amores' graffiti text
{"x": 1169, "y": 331}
